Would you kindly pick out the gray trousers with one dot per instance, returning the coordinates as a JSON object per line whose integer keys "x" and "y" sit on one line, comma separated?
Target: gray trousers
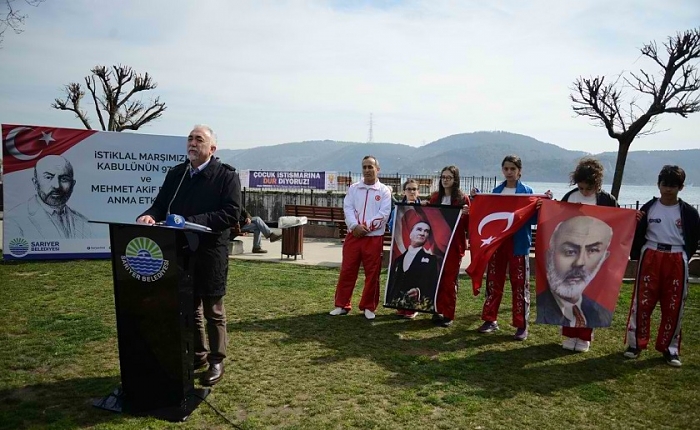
{"x": 212, "y": 310}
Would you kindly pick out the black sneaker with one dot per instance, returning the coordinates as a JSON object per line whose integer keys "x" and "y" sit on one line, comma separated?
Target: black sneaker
{"x": 446, "y": 322}
{"x": 672, "y": 359}
{"x": 631, "y": 352}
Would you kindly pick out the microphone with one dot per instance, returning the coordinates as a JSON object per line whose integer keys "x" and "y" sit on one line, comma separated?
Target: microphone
{"x": 178, "y": 221}
{"x": 187, "y": 169}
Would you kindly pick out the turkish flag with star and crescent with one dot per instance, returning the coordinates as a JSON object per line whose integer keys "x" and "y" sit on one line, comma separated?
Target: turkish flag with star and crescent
{"x": 494, "y": 218}
{"x": 24, "y": 145}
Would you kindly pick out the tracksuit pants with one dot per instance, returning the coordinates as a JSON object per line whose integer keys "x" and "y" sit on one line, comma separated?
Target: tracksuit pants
{"x": 583, "y": 333}
{"x": 661, "y": 277}
{"x": 367, "y": 251}
{"x": 446, "y": 300}
{"x": 518, "y": 267}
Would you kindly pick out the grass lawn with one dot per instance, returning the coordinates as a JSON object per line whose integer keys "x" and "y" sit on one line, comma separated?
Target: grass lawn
{"x": 292, "y": 366}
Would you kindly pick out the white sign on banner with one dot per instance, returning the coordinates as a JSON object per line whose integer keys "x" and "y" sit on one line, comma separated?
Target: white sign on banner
{"x": 56, "y": 180}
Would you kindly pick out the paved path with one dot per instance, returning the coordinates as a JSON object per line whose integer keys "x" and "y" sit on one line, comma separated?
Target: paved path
{"x": 317, "y": 252}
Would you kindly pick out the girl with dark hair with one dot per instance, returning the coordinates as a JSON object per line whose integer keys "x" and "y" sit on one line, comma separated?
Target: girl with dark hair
{"x": 588, "y": 178}
{"x": 513, "y": 256}
{"x": 449, "y": 193}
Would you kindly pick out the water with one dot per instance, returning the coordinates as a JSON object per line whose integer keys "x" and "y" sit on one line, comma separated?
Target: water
{"x": 629, "y": 194}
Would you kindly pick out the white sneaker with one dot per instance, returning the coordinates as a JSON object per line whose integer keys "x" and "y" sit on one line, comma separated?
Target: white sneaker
{"x": 369, "y": 314}
{"x": 338, "y": 311}
{"x": 582, "y": 345}
{"x": 569, "y": 343}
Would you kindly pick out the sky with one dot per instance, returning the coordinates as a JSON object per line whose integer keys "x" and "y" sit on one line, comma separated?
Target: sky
{"x": 265, "y": 72}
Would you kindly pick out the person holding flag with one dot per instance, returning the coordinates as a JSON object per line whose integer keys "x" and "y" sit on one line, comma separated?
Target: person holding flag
{"x": 588, "y": 178}
{"x": 513, "y": 255}
{"x": 449, "y": 193}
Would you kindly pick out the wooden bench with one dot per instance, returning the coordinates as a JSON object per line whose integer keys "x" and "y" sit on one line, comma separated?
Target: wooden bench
{"x": 329, "y": 214}
{"x": 343, "y": 231}
{"x": 316, "y": 213}
{"x": 393, "y": 182}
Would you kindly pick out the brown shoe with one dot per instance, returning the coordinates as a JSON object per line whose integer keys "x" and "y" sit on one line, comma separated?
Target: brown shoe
{"x": 213, "y": 374}
{"x": 275, "y": 237}
{"x": 259, "y": 251}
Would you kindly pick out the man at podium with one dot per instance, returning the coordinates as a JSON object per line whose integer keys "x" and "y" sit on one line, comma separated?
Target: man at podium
{"x": 204, "y": 191}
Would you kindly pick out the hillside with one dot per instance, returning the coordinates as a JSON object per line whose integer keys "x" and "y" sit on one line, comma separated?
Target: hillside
{"x": 476, "y": 154}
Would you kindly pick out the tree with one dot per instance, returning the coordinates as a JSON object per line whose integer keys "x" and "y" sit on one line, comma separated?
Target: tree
{"x": 112, "y": 99}
{"x": 13, "y": 18}
{"x": 674, "y": 89}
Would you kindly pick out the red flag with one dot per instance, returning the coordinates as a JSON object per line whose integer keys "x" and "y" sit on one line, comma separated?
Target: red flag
{"x": 583, "y": 262}
{"x": 24, "y": 145}
{"x": 494, "y": 218}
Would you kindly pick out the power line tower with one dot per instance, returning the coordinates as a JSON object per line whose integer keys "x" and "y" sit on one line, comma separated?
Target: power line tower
{"x": 370, "y": 138}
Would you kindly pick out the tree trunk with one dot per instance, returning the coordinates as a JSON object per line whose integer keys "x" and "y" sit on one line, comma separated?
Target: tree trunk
{"x": 623, "y": 149}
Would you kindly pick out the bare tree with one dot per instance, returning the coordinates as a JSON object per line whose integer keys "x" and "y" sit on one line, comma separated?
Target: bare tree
{"x": 673, "y": 89}
{"x": 13, "y": 18}
{"x": 112, "y": 98}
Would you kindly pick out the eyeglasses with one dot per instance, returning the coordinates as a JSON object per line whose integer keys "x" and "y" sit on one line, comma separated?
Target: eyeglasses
{"x": 447, "y": 178}
{"x": 411, "y": 189}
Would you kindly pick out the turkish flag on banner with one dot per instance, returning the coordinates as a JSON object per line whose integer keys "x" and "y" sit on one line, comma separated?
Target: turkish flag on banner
{"x": 24, "y": 145}
{"x": 494, "y": 218}
{"x": 581, "y": 255}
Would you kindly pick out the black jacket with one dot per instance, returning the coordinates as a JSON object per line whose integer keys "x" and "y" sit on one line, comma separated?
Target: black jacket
{"x": 211, "y": 198}
{"x": 602, "y": 198}
{"x": 690, "y": 221}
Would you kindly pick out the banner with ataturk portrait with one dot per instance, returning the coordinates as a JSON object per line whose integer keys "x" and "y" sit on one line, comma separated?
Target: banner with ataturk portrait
{"x": 420, "y": 242}
{"x": 581, "y": 253}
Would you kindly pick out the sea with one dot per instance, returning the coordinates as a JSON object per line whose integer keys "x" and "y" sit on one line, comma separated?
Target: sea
{"x": 630, "y": 195}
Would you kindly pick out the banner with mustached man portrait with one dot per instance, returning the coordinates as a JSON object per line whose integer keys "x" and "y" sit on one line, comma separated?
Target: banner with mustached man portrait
{"x": 420, "y": 242}
{"x": 582, "y": 253}
{"x": 57, "y": 180}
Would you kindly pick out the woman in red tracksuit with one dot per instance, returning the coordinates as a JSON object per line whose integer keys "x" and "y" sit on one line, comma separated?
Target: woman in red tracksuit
{"x": 449, "y": 194}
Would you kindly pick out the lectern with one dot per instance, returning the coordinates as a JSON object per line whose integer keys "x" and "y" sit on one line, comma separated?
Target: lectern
{"x": 152, "y": 272}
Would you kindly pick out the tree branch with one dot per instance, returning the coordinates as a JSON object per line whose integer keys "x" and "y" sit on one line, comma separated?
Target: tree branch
{"x": 72, "y": 103}
{"x": 121, "y": 110}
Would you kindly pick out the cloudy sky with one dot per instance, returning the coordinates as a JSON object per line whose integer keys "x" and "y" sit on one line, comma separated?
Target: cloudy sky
{"x": 265, "y": 72}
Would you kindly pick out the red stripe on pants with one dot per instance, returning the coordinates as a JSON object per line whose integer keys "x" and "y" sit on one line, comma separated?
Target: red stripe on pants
{"x": 367, "y": 251}
{"x": 518, "y": 268}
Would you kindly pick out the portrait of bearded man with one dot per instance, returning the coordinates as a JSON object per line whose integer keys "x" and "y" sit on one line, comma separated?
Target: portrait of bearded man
{"x": 46, "y": 215}
{"x": 577, "y": 250}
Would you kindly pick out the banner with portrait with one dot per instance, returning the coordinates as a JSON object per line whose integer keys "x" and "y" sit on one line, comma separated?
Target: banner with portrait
{"x": 56, "y": 180}
{"x": 581, "y": 253}
{"x": 420, "y": 241}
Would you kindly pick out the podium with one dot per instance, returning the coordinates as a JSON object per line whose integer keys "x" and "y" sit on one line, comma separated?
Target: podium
{"x": 152, "y": 269}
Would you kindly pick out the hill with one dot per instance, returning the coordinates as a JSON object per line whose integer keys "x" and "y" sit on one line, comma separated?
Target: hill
{"x": 476, "y": 154}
